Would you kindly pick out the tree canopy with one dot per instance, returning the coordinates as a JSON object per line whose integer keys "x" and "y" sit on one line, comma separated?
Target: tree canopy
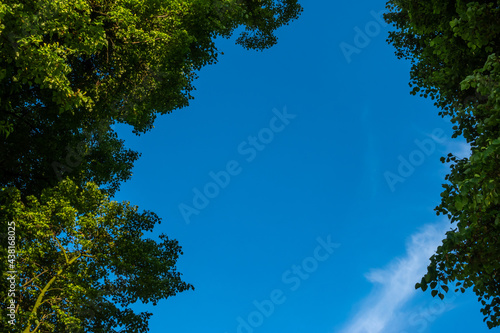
{"x": 69, "y": 71}
{"x": 454, "y": 50}
{"x": 125, "y": 60}
{"x": 82, "y": 260}
{"x": 69, "y": 65}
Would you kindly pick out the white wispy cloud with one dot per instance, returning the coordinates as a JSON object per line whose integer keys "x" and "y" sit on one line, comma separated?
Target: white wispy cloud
{"x": 396, "y": 283}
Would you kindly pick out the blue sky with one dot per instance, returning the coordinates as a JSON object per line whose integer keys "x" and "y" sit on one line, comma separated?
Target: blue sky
{"x": 301, "y": 183}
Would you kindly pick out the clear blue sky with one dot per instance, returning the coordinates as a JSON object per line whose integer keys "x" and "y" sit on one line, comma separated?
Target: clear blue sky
{"x": 318, "y": 175}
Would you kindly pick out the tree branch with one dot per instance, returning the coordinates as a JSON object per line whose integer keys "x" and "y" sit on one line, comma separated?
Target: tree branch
{"x": 24, "y": 285}
{"x": 39, "y": 299}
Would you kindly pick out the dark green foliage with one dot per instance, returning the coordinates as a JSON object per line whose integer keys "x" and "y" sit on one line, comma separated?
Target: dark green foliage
{"x": 454, "y": 48}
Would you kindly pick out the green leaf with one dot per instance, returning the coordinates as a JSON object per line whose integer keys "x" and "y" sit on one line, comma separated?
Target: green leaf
{"x": 459, "y": 203}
